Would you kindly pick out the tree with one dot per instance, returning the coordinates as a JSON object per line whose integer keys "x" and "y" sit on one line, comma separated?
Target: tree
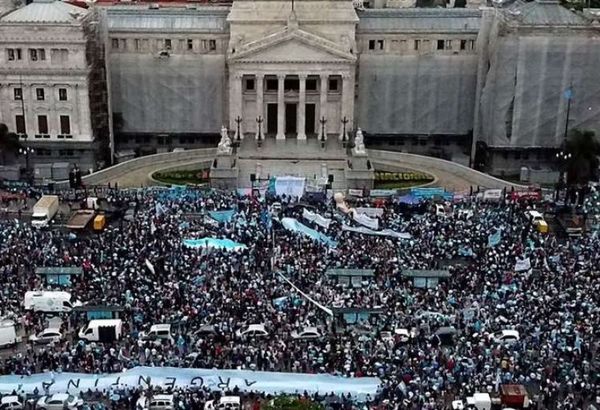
{"x": 584, "y": 150}
{"x": 9, "y": 142}
{"x": 291, "y": 403}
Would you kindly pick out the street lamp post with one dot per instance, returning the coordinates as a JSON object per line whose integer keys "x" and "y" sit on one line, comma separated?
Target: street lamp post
{"x": 26, "y": 151}
{"x": 323, "y": 121}
{"x": 238, "y": 121}
{"x": 344, "y": 122}
{"x": 563, "y": 158}
{"x": 259, "y": 121}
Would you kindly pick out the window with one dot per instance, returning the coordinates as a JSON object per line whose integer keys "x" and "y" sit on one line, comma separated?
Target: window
{"x": 380, "y": 44}
{"x": 13, "y": 54}
{"x": 311, "y": 84}
{"x": 417, "y": 44}
{"x": 36, "y": 54}
{"x": 204, "y": 45}
{"x": 136, "y": 44}
{"x": 448, "y": 44}
{"x": 518, "y": 155}
{"x": 333, "y": 84}
{"x": 212, "y": 45}
{"x": 62, "y": 94}
{"x": 20, "y": 124}
{"x": 65, "y": 124}
{"x": 39, "y": 94}
{"x": 371, "y": 44}
{"x": 249, "y": 84}
{"x": 463, "y": 44}
{"x": 42, "y": 124}
{"x": 33, "y": 54}
{"x": 471, "y": 44}
{"x": 190, "y": 44}
{"x": 291, "y": 84}
{"x": 18, "y": 93}
{"x": 272, "y": 84}
{"x": 167, "y": 44}
{"x": 115, "y": 43}
{"x": 59, "y": 55}
{"x": 123, "y": 43}
{"x": 440, "y": 44}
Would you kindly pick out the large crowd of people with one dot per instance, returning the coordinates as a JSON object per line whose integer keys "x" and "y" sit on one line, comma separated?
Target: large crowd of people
{"x": 428, "y": 345}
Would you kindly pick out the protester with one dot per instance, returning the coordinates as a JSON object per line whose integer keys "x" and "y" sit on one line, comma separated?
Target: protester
{"x": 143, "y": 266}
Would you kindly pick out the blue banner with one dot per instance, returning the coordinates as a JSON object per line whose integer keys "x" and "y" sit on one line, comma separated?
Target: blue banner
{"x": 494, "y": 238}
{"x": 222, "y": 216}
{"x": 217, "y": 380}
{"x": 213, "y": 243}
{"x": 431, "y": 193}
{"x": 292, "y": 224}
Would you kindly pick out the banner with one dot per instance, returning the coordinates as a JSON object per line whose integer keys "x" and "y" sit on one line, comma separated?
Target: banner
{"x": 384, "y": 232}
{"x": 430, "y": 193}
{"x": 311, "y": 300}
{"x": 222, "y": 216}
{"x": 290, "y": 186}
{"x": 213, "y": 379}
{"x": 494, "y": 238}
{"x": 355, "y": 192}
{"x": 523, "y": 265}
{"x": 370, "y": 212}
{"x": 227, "y": 244}
{"x": 316, "y": 218}
{"x": 366, "y": 221}
{"x": 292, "y": 224}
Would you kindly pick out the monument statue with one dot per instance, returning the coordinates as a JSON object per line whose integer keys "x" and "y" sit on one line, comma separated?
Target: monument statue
{"x": 359, "y": 142}
{"x": 225, "y": 142}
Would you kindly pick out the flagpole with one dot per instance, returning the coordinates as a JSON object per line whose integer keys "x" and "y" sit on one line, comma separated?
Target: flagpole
{"x": 570, "y": 96}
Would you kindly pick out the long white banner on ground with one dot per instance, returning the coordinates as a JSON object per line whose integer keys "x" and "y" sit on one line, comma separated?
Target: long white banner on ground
{"x": 214, "y": 379}
{"x": 383, "y": 232}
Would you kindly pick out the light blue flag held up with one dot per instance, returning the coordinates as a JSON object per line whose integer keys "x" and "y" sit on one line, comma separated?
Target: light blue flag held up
{"x": 494, "y": 238}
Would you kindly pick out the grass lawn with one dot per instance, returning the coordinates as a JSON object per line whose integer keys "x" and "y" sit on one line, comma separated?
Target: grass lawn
{"x": 397, "y": 184}
{"x": 196, "y": 177}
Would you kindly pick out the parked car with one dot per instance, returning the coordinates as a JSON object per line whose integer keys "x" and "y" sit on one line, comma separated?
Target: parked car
{"x": 224, "y": 403}
{"x": 256, "y": 330}
{"x": 309, "y": 332}
{"x": 51, "y": 335}
{"x": 507, "y": 336}
{"x": 11, "y": 403}
{"x": 158, "y": 333}
{"x": 60, "y": 401}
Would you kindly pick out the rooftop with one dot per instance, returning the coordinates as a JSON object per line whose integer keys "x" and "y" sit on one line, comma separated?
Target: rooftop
{"x": 46, "y": 11}
{"x": 542, "y": 13}
{"x": 419, "y": 19}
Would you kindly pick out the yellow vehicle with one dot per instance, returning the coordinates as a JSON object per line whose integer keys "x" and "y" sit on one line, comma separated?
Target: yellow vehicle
{"x": 99, "y": 222}
{"x": 542, "y": 227}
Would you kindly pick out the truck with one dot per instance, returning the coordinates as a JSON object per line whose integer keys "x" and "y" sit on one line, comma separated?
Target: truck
{"x": 44, "y": 210}
{"x": 102, "y": 330}
{"x": 48, "y": 301}
{"x": 80, "y": 219}
{"x": 8, "y": 334}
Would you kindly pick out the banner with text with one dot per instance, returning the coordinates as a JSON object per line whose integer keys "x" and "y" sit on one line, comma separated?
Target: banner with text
{"x": 214, "y": 379}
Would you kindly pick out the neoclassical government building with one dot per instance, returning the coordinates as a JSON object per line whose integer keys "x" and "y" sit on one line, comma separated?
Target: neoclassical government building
{"x": 125, "y": 78}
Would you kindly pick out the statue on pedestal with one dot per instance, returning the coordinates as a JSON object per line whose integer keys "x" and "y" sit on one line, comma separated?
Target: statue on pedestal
{"x": 225, "y": 143}
{"x": 359, "y": 142}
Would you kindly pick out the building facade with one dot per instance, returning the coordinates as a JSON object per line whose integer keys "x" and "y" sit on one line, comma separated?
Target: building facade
{"x": 52, "y": 90}
{"x": 427, "y": 80}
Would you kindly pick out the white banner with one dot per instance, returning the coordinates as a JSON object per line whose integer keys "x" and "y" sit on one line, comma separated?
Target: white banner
{"x": 213, "y": 379}
{"x": 384, "y": 232}
{"x": 290, "y": 186}
{"x": 316, "y": 218}
{"x": 522, "y": 265}
{"x": 371, "y": 212}
{"x": 366, "y": 221}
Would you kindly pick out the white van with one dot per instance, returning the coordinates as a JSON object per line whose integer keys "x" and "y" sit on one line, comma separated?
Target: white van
{"x": 102, "y": 330}
{"x": 44, "y": 301}
{"x": 158, "y": 332}
{"x": 224, "y": 403}
{"x": 8, "y": 334}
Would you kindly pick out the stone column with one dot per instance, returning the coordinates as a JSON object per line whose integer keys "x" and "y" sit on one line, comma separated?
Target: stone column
{"x": 235, "y": 102}
{"x": 323, "y": 104}
{"x": 347, "y": 104}
{"x": 280, "y": 108}
{"x": 259, "y": 100}
{"x": 302, "y": 108}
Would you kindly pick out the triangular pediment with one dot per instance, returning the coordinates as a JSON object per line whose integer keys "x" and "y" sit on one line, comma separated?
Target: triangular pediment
{"x": 292, "y": 46}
